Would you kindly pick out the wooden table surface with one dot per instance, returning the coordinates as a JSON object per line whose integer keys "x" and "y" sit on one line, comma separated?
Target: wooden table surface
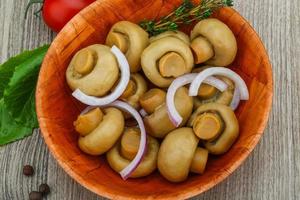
{"x": 272, "y": 171}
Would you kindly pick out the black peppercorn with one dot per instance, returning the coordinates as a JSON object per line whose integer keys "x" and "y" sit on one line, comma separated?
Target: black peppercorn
{"x": 44, "y": 189}
{"x": 28, "y": 170}
{"x": 35, "y": 195}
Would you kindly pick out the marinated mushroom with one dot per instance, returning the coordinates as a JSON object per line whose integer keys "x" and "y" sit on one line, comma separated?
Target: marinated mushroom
{"x": 178, "y": 155}
{"x": 105, "y": 135}
{"x": 165, "y": 59}
{"x": 213, "y": 43}
{"x": 217, "y": 125}
{"x": 176, "y": 34}
{"x": 131, "y": 39}
{"x": 124, "y": 151}
{"x": 136, "y": 87}
{"x": 158, "y": 124}
{"x": 94, "y": 70}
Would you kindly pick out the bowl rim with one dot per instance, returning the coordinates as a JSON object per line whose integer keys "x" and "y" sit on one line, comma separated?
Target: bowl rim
{"x": 188, "y": 193}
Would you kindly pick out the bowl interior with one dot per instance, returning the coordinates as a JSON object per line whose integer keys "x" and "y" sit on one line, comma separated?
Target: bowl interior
{"x": 57, "y": 109}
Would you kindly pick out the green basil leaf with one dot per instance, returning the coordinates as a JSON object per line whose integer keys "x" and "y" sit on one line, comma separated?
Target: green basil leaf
{"x": 19, "y": 95}
{"x": 10, "y": 130}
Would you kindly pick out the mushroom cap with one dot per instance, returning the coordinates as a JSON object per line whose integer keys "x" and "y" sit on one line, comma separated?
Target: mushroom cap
{"x": 176, "y": 34}
{"x": 105, "y": 135}
{"x": 101, "y": 78}
{"x": 220, "y": 37}
{"x": 148, "y": 164}
{"x": 157, "y": 49}
{"x": 134, "y": 36}
{"x": 229, "y": 133}
{"x": 158, "y": 124}
{"x": 176, "y": 154}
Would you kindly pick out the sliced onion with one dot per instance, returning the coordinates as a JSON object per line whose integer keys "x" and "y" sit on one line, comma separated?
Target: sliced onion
{"x": 120, "y": 88}
{"x": 174, "y": 116}
{"x": 235, "y": 99}
{"x": 217, "y": 83}
{"x": 127, "y": 171}
{"x": 143, "y": 113}
{"x": 222, "y": 71}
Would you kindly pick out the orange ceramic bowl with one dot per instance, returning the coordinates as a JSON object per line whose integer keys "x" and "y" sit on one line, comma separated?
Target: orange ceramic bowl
{"x": 56, "y": 109}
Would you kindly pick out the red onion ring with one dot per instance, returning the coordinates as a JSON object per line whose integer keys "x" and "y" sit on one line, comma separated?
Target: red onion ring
{"x": 143, "y": 113}
{"x": 174, "y": 116}
{"x": 125, "y": 76}
{"x": 222, "y": 71}
{"x": 127, "y": 171}
{"x": 235, "y": 99}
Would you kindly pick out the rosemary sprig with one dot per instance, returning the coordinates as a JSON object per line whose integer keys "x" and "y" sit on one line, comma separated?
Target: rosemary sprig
{"x": 186, "y": 13}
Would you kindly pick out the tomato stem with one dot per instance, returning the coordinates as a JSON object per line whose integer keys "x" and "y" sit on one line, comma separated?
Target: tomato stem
{"x": 31, "y": 2}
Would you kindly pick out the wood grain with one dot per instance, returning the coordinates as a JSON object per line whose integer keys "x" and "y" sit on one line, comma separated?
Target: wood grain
{"x": 272, "y": 170}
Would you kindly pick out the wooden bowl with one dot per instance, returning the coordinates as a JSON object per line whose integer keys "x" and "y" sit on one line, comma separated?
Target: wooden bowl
{"x": 56, "y": 109}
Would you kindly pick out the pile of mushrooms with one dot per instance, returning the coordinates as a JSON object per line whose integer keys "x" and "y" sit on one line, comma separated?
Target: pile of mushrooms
{"x": 184, "y": 109}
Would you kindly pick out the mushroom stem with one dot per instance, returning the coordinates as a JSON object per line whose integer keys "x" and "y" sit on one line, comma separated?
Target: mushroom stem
{"x": 84, "y": 62}
{"x": 86, "y": 123}
{"x": 118, "y": 39}
{"x": 202, "y": 50}
{"x": 130, "y": 90}
{"x": 171, "y": 65}
{"x": 207, "y": 126}
{"x": 206, "y": 91}
{"x": 199, "y": 161}
{"x": 152, "y": 99}
{"x": 130, "y": 143}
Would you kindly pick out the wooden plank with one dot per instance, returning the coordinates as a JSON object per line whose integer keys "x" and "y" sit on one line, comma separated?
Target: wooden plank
{"x": 271, "y": 172}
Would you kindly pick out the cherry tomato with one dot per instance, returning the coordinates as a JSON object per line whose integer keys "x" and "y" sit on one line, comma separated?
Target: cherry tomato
{"x": 56, "y": 13}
